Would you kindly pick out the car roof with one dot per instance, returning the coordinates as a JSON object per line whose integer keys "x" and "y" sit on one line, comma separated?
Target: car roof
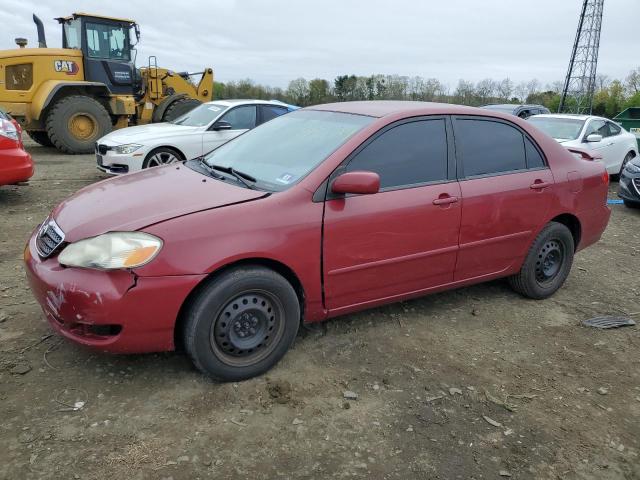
{"x": 513, "y": 105}
{"x": 568, "y": 115}
{"x": 239, "y": 101}
{"x": 382, "y": 108}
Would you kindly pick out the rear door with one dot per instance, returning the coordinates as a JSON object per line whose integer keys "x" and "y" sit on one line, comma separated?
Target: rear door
{"x": 241, "y": 118}
{"x": 506, "y": 191}
{"x": 403, "y": 239}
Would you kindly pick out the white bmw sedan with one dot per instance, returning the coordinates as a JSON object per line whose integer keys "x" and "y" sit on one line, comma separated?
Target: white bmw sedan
{"x": 598, "y": 135}
{"x": 195, "y": 133}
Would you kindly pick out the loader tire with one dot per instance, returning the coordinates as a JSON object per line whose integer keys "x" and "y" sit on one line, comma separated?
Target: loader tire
{"x": 76, "y": 122}
{"x": 41, "y": 138}
{"x": 179, "y": 108}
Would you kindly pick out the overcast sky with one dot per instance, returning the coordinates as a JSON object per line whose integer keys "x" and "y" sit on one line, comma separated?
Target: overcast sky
{"x": 274, "y": 41}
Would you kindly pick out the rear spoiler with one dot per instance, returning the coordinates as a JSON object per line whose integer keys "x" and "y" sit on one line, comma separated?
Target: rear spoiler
{"x": 584, "y": 154}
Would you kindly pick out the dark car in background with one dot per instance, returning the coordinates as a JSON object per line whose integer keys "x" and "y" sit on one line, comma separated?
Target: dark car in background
{"x": 630, "y": 183}
{"x": 522, "y": 111}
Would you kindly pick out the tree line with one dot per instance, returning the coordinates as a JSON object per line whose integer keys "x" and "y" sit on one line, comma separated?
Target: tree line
{"x": 611, "y": 95}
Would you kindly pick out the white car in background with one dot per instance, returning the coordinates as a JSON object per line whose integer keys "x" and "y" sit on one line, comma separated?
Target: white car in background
{"x": 597, "y": 135}
{"x": 195, "y": 133}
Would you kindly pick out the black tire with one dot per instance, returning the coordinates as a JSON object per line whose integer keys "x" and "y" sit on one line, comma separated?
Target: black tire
{"x": 631, "y": 204}
{"x": 179, "y": 108}
{"x": 241, "y": 324}
{"x": 41, "y": 138}
{"x": 161, "y": 156}
{"x": 547, "y": 264}
{"x": 90, "y": 117}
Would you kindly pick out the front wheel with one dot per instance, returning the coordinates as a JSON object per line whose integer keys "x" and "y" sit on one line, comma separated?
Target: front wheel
{"x": 161, "y": 156}
{"x": 547, "y": 264}
{"x": 242, "y": 323}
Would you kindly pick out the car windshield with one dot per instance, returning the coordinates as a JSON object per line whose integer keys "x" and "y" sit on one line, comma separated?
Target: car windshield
{"x": 282, "y": 151}
{"x": 200, "y": 116}
{"x": 559, "y": 128}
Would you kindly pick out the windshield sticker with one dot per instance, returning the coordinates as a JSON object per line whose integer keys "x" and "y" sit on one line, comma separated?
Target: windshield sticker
{"x": 213, "y": 108}
{"x": 286, "y": 178}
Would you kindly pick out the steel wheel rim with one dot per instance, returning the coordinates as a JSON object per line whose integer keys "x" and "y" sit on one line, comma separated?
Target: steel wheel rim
{"x": 550, "y": 261}
{"x": 162, "y": 158}
{"x": 247, "y": 328}
{"x": 83, "y": 126}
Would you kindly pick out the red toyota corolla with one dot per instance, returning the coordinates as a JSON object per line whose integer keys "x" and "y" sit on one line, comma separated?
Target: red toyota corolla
{"x": 321, "y": 212}
{"x": 15, "y": 164}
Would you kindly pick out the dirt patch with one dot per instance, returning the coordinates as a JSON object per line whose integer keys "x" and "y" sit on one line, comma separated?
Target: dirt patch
{"x": 563, "y": 400}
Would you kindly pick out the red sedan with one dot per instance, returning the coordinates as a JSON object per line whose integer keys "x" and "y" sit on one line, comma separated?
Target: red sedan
{"x": 15, "y": 164}
{"x": 322, "y": 212}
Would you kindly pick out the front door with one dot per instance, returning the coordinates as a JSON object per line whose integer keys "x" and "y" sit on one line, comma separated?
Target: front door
{"x": 506, "y": 193}
{"x": 242, "y": 119}
{"x": 404, "y": 239}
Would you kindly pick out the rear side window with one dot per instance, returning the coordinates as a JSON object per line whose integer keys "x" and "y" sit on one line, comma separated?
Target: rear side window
{"x": 241, "y": 118}
{"x": 408, "y": 154}
{"x": 489, "y": 147}
{"x": 534, "y": 159}
{"x": 269, "y": 112}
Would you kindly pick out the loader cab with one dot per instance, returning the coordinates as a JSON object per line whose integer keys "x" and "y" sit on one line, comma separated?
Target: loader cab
{"x": 107, "y": 49}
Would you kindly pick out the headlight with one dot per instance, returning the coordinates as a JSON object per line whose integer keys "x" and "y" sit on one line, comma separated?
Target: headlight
{"x": 125, "y": 149}
{"x": 632, "y": 167}
{"x": 112, "y": 251}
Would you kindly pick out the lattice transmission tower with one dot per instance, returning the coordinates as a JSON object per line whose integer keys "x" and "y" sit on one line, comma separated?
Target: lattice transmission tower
{"x": 580, "y": 83}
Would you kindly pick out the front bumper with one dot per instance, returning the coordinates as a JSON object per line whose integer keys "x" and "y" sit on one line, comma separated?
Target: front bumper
{"x": 118, "y": 164}
{"x": 629, "y": 186}
{"x": 115, "y": 311}
{"x": 16, "y": 166}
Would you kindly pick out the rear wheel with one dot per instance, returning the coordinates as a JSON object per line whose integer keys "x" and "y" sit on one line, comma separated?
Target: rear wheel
{"x": 179, "y": 108}
{"x": 241, "y": 324}
{"x": 75, "y": 123}
{"x": 161, "y": 156}
{"x": 41, "y": 138}
{"x": 626, "y": 160}
{"x": 547, "y": 264}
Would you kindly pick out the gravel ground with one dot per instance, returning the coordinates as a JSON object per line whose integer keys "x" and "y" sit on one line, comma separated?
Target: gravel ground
{"x": 473, "y": 383}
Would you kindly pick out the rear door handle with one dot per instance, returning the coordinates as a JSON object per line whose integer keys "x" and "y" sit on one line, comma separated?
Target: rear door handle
{"x": 539, "y": 185}
{"x": 442, "y": 200}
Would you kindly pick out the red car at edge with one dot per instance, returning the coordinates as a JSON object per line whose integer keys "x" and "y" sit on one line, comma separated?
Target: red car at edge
{"x": 15, "y": 164}
{"x": 324, "y": 211}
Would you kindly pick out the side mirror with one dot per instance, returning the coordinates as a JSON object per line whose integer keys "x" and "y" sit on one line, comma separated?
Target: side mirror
{"x": 594, "y": 138}
{"x": 221, "y": 125}
{"x": 356, "y": 182}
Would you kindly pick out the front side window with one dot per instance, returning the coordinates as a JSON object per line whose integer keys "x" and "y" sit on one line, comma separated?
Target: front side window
{"x": 599, "y": 127}
{"x": 241, "y": 118}
{"x": 408, "y": 154}
{"x": 107, "y": 41}
{"x": 489, "y": 147}
{"x": 200, "y": 116}
{"x": 281, "y": 152}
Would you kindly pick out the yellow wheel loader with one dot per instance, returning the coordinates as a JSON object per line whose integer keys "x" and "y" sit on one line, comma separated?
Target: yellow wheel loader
{"x": 69, "y": 97}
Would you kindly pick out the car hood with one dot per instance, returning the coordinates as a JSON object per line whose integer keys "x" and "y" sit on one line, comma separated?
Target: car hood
{"x": 134, "y": 201}
{"x": 142, "y": 133}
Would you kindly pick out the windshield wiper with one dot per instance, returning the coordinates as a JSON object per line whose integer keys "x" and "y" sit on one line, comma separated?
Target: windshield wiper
{"x": 244, "y": 178}
{"x": 210, "y": 169}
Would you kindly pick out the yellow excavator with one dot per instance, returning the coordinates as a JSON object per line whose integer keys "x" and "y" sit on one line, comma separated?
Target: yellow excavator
{"x": 69, "y": 97}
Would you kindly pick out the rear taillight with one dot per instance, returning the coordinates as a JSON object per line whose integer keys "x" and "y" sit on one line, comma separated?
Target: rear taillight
{"x": 605, "y": 177}
{"x": 9, "y": 130}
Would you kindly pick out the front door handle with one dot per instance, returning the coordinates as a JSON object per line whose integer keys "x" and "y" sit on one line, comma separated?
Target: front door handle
{"x": 539, "y": 185}
{"x": 445, "y": 200}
